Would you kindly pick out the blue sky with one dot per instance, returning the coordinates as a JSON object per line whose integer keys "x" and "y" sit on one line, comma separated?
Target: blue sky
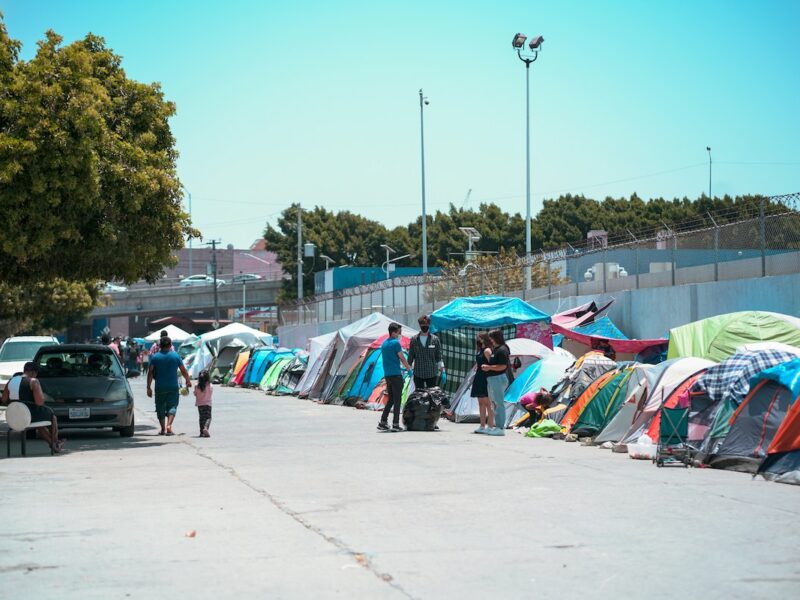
{"x": 317, "y": 102}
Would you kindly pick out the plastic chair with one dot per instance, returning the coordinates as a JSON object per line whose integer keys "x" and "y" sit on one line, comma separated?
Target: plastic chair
{"x": 18, "y": 417}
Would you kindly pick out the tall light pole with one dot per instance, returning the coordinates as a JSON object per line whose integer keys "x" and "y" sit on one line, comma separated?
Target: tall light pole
{"x": 299, "y": 252}
{"x": 708, "y": 149}
{"x": 423, "y": 101}
{"x": 535, "y": 44}
{"x": 188, "y": 193}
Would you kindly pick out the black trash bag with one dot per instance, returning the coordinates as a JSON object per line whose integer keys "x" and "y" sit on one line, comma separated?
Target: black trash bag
{"x": 424, "y": 408}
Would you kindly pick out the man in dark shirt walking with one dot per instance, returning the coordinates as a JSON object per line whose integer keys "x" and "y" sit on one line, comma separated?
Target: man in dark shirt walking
{"x": 425, "y": 355}
{"x": 164, "y": 367}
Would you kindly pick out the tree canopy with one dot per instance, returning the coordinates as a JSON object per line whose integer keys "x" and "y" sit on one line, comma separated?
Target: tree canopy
{"x": 351, "y": 239}
{"x": 88, "y": 184}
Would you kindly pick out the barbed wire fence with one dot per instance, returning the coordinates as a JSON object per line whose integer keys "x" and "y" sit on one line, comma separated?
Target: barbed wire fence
{"x": 745, "y": 241}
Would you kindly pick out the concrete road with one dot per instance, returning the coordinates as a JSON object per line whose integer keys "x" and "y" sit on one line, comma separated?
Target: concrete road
{"x": 290, "y": 499}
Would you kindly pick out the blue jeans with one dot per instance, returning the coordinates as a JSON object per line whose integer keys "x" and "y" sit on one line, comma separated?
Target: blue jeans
{"x": 497, "y": 388}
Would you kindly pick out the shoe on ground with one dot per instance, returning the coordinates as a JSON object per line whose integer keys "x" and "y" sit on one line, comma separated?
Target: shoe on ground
{"x": 480, "y": 430}
{"x": 495, "y": 431}
{"x": 383, "y": 426}
{"x": 397, "y": 427}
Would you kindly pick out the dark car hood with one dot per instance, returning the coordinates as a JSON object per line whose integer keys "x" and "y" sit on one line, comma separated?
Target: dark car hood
{"x": 80, "y": 387}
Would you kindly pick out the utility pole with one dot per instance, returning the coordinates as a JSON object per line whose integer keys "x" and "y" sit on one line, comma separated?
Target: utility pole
{"x": 213, "y": 244}
{"x": 299, "y": 252}
{"x": 423, "y": 101}
{"x": 708, "y": 149}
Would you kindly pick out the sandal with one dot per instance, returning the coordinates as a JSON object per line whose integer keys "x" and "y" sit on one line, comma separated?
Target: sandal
{"x": 58, "y": 447}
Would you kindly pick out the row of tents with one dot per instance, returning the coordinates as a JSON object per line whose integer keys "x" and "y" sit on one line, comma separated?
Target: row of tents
{"x": 720, "y": 368}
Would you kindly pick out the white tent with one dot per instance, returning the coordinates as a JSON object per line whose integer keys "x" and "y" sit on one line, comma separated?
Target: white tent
{"x": 317, "y": 352}
{"x": 212, "y": 342}
{"x": 176, "y": 334}
{"x": 344, "y": 350}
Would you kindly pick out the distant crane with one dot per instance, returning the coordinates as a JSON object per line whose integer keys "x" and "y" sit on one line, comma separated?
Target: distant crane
{"x": 465, "y": 204}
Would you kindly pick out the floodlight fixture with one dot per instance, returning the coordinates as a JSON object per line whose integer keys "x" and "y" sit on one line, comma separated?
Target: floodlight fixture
{"x": 518, "y": 41}
{"x": 536, "y": 42}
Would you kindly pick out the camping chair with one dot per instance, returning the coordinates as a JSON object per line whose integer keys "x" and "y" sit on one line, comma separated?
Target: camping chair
{"x": 672, "y": 438}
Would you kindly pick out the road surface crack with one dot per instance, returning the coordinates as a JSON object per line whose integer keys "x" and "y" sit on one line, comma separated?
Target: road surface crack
{"x": 358, "y": 557}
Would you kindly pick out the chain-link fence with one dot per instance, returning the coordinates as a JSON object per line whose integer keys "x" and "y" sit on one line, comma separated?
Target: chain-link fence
{"x": 761, "y": 241}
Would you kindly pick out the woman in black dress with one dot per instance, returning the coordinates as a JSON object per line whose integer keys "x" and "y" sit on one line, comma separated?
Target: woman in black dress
{"x": 479, "y": 389}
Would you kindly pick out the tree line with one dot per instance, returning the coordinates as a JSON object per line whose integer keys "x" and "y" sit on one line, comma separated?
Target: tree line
{"x": 351, "y": 239}
{"x": 88, "y": 184}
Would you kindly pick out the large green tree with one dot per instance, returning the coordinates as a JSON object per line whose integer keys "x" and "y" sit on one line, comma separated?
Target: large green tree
{"x": 88, "y": 183}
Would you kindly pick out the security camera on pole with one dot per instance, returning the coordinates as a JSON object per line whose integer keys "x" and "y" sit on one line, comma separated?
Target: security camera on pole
{"x": 535, "y": 44}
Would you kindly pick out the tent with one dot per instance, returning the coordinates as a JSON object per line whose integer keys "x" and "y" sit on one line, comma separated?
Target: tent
{"x": 464, "y": 408}
{"x": 291, "y": 375}
{"x": 318, "y": 354}
{"x": 345, "y": 349}
{"x": 270, "y": 379}
{"x": 239, "y": 366}
{"x": 753, "y": 425}
{"x": 211, "y": 344}
{"x": 176, "y": 334}
{"x": 625, "y": 387}
{"x": 727, "y": 384}
{"x": 616, "y": 424}
{"x": 576, "y": 379}
{"x": 544, "y": 373}
{"x": 603, "y": 331}
{"x": 576, "y": 410}
{"x": 457, "y": 323}
{"x": 662, "y": 380}
{"x": 718, "y": 338}
{"x": 782, "y": 463}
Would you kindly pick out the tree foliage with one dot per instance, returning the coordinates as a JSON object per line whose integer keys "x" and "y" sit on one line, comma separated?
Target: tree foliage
{"x": 354, "y": 240}
{"x": 88, "y": 184}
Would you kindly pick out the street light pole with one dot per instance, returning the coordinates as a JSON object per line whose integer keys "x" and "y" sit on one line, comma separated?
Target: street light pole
{"x": 423, "y": 101}
{"x": 518, "y": 43}
{"x": 708, "y": 149}
{"x": 299, "y": 252}
{"x": 188, "y": 193}
{"x": 213, "y": 244}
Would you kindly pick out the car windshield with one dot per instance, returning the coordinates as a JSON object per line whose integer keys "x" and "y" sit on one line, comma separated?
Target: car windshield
{"x": 82, "y": 363}
{"x": 21, "y": 350}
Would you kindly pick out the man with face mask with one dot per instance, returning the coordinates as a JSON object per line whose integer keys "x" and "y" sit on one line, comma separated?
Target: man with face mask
{"x": 425, "y": 355}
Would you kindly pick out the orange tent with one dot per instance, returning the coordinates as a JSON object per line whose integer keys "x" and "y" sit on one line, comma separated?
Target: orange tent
{"x": 571, "y": 417}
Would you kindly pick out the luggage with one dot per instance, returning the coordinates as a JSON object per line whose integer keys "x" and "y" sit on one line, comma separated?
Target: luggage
{"x": 423, "y": 409}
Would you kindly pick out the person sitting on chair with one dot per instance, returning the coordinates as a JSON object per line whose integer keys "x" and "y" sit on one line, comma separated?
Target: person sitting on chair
{"x": 30, "y": 394}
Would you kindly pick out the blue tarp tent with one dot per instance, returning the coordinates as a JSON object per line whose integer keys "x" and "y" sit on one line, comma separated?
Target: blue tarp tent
{"x": 458, "y": 322}
{"x": 786, "y": 374}
{"x": 485, "y": 312}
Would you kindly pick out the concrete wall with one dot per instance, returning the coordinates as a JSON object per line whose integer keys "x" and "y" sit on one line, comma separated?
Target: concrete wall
{"x": 639, "y": 313}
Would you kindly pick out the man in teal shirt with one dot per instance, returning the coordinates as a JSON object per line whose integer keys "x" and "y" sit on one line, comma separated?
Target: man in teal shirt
{"x": 393, "y": 357}
{"x": 164, "y": 367}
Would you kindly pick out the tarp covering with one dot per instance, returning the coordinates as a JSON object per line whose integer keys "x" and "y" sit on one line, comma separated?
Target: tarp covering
{"x": 486, "y": 312}
{"x": 581, "y": 315}
{"x": 787, "y": 374}
{"x": 623, "y": 346}
{"x": 176, "y": 334}
{"x": 718, "y": 338}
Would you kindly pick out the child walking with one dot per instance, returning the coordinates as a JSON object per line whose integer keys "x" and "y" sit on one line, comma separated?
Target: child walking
{"x": 202, "y": 394}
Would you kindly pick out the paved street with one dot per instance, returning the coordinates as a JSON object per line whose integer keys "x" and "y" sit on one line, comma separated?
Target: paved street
{"x": 290, "y": 499}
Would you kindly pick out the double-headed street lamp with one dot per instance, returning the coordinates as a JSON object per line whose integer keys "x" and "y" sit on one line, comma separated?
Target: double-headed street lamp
{"x": 423, "y": 101}
{"x": 528, "y": 57}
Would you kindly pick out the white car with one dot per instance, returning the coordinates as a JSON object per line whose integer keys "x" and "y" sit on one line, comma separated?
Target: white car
{"x": 112, "y": 288}
{"x": 16, "y": 351}
{"x": 200, "y": 280}
{"x": 246, "y": 278}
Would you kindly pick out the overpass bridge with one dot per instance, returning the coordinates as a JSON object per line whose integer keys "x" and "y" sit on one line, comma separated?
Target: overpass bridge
{"x": 161, "y": 300}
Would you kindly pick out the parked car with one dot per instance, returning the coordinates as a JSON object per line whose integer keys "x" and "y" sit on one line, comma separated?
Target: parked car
{"x": 86, "y": 387}
{"x": 193, "y": 280}
{"x": 112, "y": 288}
{"x": 18, "y": 350}
{"x": 246, "y": 278}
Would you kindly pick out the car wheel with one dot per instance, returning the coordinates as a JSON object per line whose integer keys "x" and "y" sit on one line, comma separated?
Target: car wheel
{"x": 127, "y": 431}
